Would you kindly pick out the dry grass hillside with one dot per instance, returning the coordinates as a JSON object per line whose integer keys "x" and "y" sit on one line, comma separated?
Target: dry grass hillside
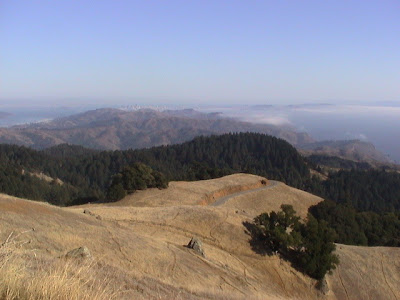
{"x": 193, "y": 192}
{"x": 138, "y": 248}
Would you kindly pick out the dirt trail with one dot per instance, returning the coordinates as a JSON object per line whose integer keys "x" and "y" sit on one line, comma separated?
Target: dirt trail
{"x": 220, "y": 201}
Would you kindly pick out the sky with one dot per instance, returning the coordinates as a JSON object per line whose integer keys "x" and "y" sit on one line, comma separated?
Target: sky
{"x": 199, "y": 52}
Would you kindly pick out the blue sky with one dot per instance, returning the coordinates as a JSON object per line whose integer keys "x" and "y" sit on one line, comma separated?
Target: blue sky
{"x": 199, "y": 52}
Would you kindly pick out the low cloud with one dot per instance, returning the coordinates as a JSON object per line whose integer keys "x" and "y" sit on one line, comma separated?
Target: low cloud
{"x": 273, "y": 120}
{"x": 270, "y": 116}
{"x": 356, "y": 136}
{"x": 363, "y": 137}
{"x": 364, "y": 110}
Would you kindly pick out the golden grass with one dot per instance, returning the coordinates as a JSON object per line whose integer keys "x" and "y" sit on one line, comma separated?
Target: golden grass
{"x": 24, "y": 276}
{"x": 139, "y": 251}
{"x": 192, "y": 193}
{"x": 271, "y": 199}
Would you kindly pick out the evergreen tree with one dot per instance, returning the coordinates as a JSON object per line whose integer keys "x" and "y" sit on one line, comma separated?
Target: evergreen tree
{"x": 278, "y": 231}
{"x": 310, "y": 245}
{"x": 116, "y": 192}
{"x": 317, "y": 258}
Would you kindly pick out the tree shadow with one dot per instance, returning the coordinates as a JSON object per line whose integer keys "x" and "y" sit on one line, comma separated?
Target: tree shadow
{"x": 83, "y": 200}
{"x": 257, "y": 244}
{"x": 260, "y": 246}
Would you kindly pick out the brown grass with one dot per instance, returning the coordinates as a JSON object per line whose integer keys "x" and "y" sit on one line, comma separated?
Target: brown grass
{"x": 139, "y": 253}
{"x": 253, "y": 204}
{"x": 192, "y": 192}
{"x": 25, "y": 276}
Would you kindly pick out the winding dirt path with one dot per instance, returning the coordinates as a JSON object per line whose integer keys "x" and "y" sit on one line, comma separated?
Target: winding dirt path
{"x": 222, "y": 200}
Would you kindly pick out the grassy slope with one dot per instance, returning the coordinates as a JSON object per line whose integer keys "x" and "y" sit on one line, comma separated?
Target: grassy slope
{"x": 140, "y": 250}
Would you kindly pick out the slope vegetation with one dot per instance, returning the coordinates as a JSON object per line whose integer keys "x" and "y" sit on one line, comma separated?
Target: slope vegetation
{"x": 88, "y": 174}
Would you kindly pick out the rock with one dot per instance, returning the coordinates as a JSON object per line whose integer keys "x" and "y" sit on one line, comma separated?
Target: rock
{"x": 323, "y": 286}
{"x": 196, "y": 245}
{"x": 80, "y": 253}
{"x": 88, "y": 212}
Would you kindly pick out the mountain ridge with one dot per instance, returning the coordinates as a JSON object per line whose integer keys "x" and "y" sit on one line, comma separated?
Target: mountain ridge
{"x": 116, "y": 129}
{"x": 111, "y": 129}
{"x": 356, "y": 150}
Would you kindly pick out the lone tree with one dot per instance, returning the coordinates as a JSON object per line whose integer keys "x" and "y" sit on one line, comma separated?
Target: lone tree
{"x": 279, "y": 230}
{"x": 308, "y": 245}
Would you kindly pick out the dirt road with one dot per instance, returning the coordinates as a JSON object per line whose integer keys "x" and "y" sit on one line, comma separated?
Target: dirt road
{"x": 220, "y": 201}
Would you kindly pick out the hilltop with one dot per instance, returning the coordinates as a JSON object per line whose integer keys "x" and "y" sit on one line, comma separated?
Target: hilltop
{"x": 140, "y": 249}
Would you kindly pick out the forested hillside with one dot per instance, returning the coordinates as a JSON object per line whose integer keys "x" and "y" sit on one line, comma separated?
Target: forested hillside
{"x": 362, "y": 205}
{"x": 334, "y": 162}
{"x": 89, "y": 172}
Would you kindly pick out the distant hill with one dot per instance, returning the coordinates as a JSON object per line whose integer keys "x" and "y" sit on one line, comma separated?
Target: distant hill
{"x": 115, "y": 129}
{"x": 355, "y": 150}
{"x": 112, "y": 129}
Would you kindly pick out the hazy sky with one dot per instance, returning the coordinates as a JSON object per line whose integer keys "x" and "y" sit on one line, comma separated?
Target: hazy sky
{"x": 200, "y": 51}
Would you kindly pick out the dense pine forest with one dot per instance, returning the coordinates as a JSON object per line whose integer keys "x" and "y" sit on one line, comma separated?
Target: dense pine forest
{"x": 88, "y": 174}
{"x": 363, "y": 204}
{"x": 329, "y": 162}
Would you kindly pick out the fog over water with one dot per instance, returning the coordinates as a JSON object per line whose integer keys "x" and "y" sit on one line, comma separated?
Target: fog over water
{"x": 18, "y": 115}
{"x": 377, "y": 124}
